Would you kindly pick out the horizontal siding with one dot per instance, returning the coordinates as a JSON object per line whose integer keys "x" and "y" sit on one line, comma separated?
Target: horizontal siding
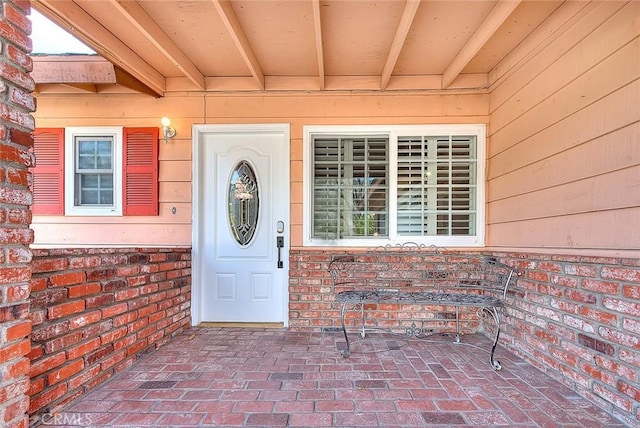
{"x": 112, "y": 234}
{"x": 187, "y": 109}
{"x": 564, "y": 159}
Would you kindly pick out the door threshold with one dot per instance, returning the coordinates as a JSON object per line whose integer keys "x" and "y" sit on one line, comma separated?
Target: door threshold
{"x": 241, "y": 324}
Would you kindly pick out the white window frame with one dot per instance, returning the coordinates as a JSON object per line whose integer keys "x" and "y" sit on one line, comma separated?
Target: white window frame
{"x": 393, "y": 132}
{"x": 71, "y": 209}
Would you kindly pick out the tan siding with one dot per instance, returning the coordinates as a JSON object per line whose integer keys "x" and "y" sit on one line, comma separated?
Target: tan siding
{"x": 611, "y": 152}
{"x": 564, "y": 160}
{"x": 187, "y": 109}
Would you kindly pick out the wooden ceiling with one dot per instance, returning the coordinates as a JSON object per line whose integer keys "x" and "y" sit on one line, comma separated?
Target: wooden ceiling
{"x": 158, "y": 46}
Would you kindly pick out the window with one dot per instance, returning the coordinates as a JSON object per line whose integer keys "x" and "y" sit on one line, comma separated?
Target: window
{"x": 93, "y": 179}
{"x": 377, "y": 185}
{"x": 95, "y": 171}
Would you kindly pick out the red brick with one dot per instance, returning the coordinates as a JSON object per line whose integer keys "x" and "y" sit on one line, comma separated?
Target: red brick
{"x": 629, "y": 390}
{"x": 48, "y": 297}
{"x": 23, "y": 98}
{"x": 47, "y": 363}
{"x": 17, "y": 368}
{"x": 113, "y": 359}
{"x": 138, "y": 303}
{"x": 63, "y": 342}
{"x": 156, "y": 316}
{"x": 85, "y": 319}
{"x": 46, "y": 397}
{"x": 15, "y": 409}
{"x": 114, "y": 310}
{"x": 95, "y": 330}
{"x": 124, "y": 343}
{"x": 67, "y": 278}
{"x": 16, "y": 330}
{"x": 49, "y": 264}
{"x": 147, "y": 310}
{"x": 65, "y": 372}
{"x": 17, "y": 17}
{"x": 631, "y": 292}
{"x": 101, "y": 299}
{"x": 15, "y": 293}
{"x": 50, "y": 330}
{"x": 99, "y": 354}
{"x": 84, "y": 262}
{"x": 36, "y": 386}
{"x": 65, "y": 309}
{"x": 621, "y": 274}
{"x": 38, "y": 284}
{"x": 604, "y": 287}
{"x": 15, "y": 350}
{"x": 621, "y": 306}
{"x": 12, "y": 275}
{"x": 113, "y": 335}
{"x": 137, "y": 325}
{"x": 82, "y": 349}
{"x": 606, "y": 318}
{"x": 137, "y": 347}
{"x": 19, "y": 255}
{"x": 124, "y": 319}
{"x": 126, "y": 294}
{"x": 83, "y": 289}
{"x": 84, "y": 377}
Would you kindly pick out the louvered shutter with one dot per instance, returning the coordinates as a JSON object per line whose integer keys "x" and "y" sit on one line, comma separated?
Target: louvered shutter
{"x": 48, "y": 174}
{"x": 350, "y": 187}
{"x": 140, "y": 171}
{"x": 436, "y": 186}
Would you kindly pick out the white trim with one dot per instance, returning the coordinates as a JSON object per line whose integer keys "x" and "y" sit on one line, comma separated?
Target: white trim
{"x": 198, "y": 131}
{"x": 70, "y": 209}
{"x": 393, "y": 131}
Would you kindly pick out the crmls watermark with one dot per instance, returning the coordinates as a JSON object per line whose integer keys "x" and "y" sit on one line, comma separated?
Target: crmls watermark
{"x": 73, "y": 419}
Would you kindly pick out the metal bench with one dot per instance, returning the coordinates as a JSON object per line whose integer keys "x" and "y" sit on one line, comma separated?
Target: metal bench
{"x": 454, "y": 287}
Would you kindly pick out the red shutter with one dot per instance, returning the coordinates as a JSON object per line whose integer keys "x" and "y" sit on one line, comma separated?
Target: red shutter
{"x": 140, "y": 171}
{"x": 48, "y": 174}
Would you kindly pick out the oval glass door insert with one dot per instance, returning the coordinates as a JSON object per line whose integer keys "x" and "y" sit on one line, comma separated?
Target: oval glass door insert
{"x": 243, "y": 202}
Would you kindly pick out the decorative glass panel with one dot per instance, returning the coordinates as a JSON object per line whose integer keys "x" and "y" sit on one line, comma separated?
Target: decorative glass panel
{"x": 243, "y": 202}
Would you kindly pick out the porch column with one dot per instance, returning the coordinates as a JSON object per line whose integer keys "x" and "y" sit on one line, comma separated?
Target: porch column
{"x": 16, "y": 125}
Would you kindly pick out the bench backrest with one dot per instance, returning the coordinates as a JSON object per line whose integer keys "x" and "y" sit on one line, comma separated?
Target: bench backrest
{"x": 412, "y": 267}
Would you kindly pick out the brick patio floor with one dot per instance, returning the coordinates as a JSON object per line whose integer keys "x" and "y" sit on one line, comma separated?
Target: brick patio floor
{"x": 271, "y": 377}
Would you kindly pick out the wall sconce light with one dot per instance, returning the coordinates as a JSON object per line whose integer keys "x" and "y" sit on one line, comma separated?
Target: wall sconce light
{"x": 167, "y": 130}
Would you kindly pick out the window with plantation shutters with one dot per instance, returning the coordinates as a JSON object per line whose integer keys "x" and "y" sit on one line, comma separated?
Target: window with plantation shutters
{"x": 96, "y": 171}
{"x": 436, "y": 185}
{"x": 395, "y": 184}
{"x": 350, "y": 187}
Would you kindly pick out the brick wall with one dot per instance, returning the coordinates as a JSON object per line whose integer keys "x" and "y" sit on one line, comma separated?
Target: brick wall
{"x": 575, "y": 318}
{"x": 16, "y": 124}
{"x": 578, "y": 319}
{"x": 96, "y": 311}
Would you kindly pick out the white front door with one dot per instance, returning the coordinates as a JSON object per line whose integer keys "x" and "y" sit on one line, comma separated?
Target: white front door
{"x": 241, "y": 223}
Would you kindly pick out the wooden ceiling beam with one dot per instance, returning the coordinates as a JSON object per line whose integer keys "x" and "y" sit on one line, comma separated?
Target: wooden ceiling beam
{"x": 317, "y": 27}
{"x": 141, "y": 21}
{"x": 489, "y": 26}
{"x": 68, "y": 15}
{"x": 231, "y": 23}
{"x": 408, "y": 14}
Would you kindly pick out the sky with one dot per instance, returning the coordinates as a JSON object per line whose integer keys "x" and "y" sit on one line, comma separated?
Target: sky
{"x": 48, "y": 38}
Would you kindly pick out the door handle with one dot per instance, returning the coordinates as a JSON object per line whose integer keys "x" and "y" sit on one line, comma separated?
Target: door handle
{"x": 280, "y": 245}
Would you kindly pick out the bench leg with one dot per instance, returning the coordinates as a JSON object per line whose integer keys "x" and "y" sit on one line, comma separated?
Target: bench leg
{"x": 345, "y": 352}
{"x": 457, "y": 325}
{"x": 495, "y": 314}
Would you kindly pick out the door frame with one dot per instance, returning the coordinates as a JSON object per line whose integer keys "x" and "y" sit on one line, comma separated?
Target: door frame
{"x": 198, "y": 132}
